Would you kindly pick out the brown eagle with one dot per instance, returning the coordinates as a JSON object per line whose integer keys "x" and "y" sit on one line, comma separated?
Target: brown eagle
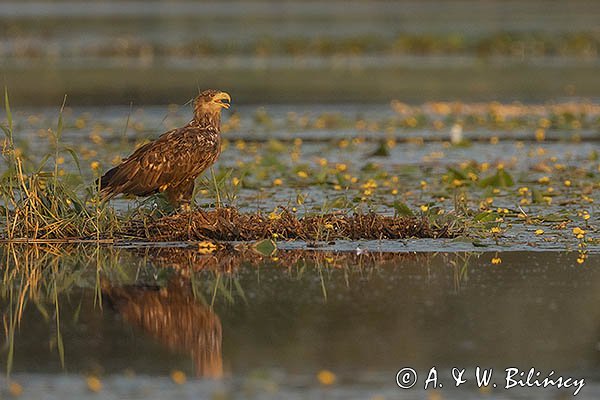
{"x": 171, "y": 163}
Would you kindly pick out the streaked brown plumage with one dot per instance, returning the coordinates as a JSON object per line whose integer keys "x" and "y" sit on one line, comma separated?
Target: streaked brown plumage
{"x": 171, "y": 163}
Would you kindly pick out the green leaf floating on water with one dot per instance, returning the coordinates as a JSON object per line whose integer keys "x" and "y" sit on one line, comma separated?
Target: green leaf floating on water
{"x": 382, "y": 150}
{"x": 500, "y": 179}
{"x": 537, "y": 196}
{"x": 553, "y": 218}
{"x": 486, "y": 216}
{"x": 402, "y": 209}
{"x": 266, "y": 247}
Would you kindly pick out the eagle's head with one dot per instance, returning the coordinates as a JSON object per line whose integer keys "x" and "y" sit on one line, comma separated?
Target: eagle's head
{"x": 210, "y": 102}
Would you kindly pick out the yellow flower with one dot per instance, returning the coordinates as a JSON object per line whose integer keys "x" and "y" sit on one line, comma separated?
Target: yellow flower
{"x": 495, "y": 229}
{"x": 540, "y": 135}
{"x": 394, "y": 191}
{"x": 178, "y": 377}
{"x": 235, "y": 180}
{"x": 539, "y": 232}
{"x": 341, "y": 167}
{"x": 423, "y": 184}
{"x": 544, "y": 180}
{"x": 240, "y": 144}
{"x": 206, "y": 247}
{"x": 93, "y": 384}
{"x": 302, "y": 174}
{"x": 580, "y": 260}
{"x": 578, "y": 231}
{"x": 370, "y": 184}
{"x": 496, "y": 260}
{"x": 567, "y": 183}
{"x": 80, "y": 123}
{"x": 15, "y": 389}
{"x": 326, "y": 377}
{"x": 277, "y": 182}
{"x": 424, "y": 208}
{"x": 95, "y": 165}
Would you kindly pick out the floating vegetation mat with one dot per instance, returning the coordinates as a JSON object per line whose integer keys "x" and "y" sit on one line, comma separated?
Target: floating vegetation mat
{"x": 229, "y": 224}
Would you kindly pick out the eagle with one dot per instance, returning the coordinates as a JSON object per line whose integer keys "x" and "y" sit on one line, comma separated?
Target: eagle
{"x": 171, "y": 163}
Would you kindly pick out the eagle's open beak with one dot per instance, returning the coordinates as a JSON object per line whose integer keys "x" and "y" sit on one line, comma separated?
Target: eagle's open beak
{"x": 223, "y": 99}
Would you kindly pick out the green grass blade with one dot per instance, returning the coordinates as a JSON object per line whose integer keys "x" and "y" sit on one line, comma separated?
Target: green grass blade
{"x": 8, "y": 113}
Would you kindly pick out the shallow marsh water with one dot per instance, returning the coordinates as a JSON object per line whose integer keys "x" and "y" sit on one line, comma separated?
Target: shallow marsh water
{"x": 253, "y": 326}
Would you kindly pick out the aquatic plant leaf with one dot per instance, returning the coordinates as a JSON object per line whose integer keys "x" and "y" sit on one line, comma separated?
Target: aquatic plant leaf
{"x": 8, "y": 113}
{"x": 486, "y": 216}
{"x": 265, "y": 247}
{"x": 506, "y": 179}
{"x": 382, "y": 150}
{"x": 537, "y": 196}
{"x": 500, "y": 179}
{"x": 457, "y": 174}
{"x": 554, "y": 218}
{"x": 402, "y": 209}
{"x": 74, "y": 156}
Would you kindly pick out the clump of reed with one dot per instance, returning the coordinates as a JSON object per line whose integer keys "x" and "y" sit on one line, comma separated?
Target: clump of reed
{"x": 230, "y": 225}
{"x": 37, "y": 205}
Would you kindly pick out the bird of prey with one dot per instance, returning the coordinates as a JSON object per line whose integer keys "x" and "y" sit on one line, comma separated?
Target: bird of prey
{"x": 171, "y": 163}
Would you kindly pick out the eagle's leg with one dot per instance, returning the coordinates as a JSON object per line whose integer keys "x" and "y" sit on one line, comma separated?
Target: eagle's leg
{"x": 180, "y": 196}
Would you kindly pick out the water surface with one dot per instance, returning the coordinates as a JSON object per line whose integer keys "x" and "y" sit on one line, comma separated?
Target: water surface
{"x": 256, "y": 326}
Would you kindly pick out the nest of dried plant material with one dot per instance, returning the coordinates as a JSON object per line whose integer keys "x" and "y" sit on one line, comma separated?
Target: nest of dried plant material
{"x": 228, "y": 224}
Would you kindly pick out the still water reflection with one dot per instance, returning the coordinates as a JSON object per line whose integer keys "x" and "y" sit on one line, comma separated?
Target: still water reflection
{"x": 139, "y": 314}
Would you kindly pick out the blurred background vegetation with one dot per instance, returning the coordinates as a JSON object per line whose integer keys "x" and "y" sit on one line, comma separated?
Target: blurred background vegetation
{"x": 156, "y": 52}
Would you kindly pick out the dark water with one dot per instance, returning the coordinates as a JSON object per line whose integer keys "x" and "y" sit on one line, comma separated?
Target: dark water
{"x": 244, "y": 325}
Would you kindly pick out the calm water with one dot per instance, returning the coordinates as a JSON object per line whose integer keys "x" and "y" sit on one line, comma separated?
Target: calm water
{"x": 247, "y": 326}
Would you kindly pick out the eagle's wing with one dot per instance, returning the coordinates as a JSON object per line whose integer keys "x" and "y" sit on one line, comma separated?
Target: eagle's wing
{"x": 150, "y": 168}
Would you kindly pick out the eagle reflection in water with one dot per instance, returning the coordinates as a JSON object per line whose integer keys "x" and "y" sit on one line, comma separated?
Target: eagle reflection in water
{"x": 175, "y": 319}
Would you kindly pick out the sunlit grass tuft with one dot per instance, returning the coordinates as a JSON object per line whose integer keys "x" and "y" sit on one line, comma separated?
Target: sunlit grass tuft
{"x": 37, "y": 204}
